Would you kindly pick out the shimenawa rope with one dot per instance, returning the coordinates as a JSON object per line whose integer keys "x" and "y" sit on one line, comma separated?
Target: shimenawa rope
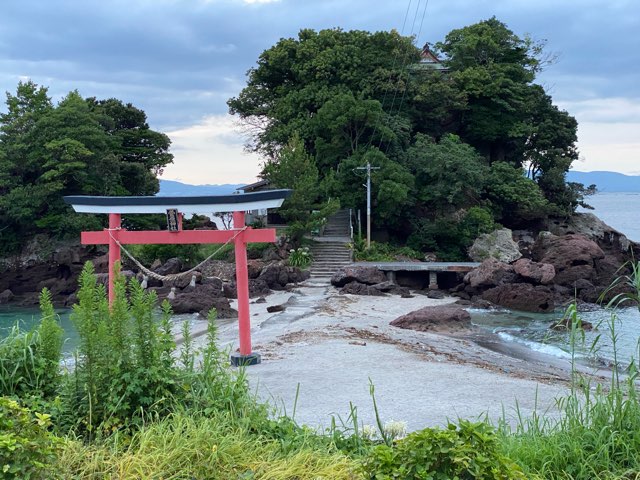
{"x": 173, "y": 276}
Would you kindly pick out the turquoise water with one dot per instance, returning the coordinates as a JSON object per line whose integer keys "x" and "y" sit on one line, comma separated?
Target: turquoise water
{"x": 534, "y": 332}
{"x": 28, "y": 318}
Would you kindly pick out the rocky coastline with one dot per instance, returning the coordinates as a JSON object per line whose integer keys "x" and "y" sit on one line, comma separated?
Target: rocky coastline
{"x": 541, "y": 270}
{"x": 58, "y": 267}
{"x": 537, "y": 270}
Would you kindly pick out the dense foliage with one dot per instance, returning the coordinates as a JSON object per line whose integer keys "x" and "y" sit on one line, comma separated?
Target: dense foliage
{"x": 77, "y": 147}
{"x": 478, "y": 134}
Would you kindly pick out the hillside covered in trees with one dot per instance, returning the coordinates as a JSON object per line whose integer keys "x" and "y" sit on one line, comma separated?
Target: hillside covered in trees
{"x": 81, "y": 146}
{"x": 459, "y": 148}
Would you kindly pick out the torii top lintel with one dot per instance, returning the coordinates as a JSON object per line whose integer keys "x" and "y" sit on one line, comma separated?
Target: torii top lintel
{"x": 197, "y": 205}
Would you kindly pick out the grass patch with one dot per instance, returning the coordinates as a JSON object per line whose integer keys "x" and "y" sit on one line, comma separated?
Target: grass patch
{"x": 186, "y": 446}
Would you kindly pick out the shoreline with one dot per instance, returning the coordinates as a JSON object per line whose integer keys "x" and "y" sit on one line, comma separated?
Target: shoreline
{"x": 319, "y": 355}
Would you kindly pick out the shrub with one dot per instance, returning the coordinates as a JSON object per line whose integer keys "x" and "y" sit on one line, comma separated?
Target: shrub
{"x": 124, "y": 369}
{"x": 27, "y": 449}
{"x": 465, "y": 451}
{"x": 300, "y": 257}
{"x": 450, "y": 237}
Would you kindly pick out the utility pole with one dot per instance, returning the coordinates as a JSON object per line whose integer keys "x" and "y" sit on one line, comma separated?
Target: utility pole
{"x": 368, "y": 168}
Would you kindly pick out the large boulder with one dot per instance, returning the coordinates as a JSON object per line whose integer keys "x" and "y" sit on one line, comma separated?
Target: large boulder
{"x": 366, "y": 275}
{"x": 490, "y": 273}
{"x": 441, "y": 319}
{"x": 534, "y": 272}
{"x": 200, "y": 300}
{"x": 275, "y": 276}
{"x": 498, "y": 244}
{"x": 572, "y": 256}
{"x": 357, "y": 288}
{"x": 590, "y": 226}
{"x": 257, "y": 288}
{"x": 171, "y": 266}
{"x": 521, "y": 296}
{"x": 6, "y": 296}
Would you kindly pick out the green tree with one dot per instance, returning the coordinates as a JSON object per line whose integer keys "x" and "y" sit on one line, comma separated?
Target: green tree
{"x": 450, "y": 174}
{"x": 445, "y": 141}
{"x": 77, "y": 147}
{"x": 294, "y": 168}
{"x": 295, "y": 78}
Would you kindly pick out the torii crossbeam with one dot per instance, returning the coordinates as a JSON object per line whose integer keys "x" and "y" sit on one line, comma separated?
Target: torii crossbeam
{"x": 205, "y": 205}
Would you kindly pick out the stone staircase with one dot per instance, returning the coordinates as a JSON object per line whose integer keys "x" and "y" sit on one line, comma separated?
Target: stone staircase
{"x": 330, "y": 249}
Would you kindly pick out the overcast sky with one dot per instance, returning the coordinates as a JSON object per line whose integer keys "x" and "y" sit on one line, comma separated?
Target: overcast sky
{"x": 180, "y": 60}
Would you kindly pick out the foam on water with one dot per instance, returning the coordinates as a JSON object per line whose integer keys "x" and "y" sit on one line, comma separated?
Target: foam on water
{"x": 545, "y": 348}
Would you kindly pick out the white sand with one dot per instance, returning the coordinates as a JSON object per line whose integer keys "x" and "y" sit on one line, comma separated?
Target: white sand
{"x": 331, "y": 345}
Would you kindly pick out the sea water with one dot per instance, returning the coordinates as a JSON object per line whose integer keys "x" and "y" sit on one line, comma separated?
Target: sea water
{"x": 29, "y": 318}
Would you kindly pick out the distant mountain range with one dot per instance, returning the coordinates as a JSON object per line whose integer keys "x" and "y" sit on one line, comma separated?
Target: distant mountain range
{"x": 607, "y": 181}
{"x": 171, "y": 188}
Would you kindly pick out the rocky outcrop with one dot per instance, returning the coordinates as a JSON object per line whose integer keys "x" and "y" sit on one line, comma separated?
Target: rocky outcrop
{"x": 365, "y": 275}
{"x": 591, "y": 227}
{"x": 573, "y": 257}
{"x": 357, "y": 288}
{"x": 200, "y": 300}
{"x": 521, "y": 296}
{"x": 490, "y": 273}
{"x": 534, "y": 272}
{"x": 257, "y": 288}
{"x": 498, "y": 244}
{"x": 441, "y": 319}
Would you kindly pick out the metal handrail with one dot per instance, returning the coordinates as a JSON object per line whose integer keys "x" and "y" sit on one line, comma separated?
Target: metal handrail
{"x": 351, "y": 224}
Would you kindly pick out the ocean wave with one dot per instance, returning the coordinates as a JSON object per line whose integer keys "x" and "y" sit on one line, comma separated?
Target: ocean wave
{"x": 545, "y": 348}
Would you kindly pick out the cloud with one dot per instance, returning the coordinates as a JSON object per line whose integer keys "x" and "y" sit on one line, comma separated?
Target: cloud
{"x": 181, "y": 60}
{"x": 211, "y": 152}
{"x": 609, "y": 146}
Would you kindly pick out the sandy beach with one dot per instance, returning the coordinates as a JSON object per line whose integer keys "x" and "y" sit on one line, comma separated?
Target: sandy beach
{"x": 320, "y": 354}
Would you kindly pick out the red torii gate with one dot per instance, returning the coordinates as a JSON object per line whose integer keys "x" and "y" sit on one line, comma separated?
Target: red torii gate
{"x": 115, "y": 235}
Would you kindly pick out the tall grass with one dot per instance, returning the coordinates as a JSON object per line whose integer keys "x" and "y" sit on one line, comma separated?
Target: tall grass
{"x": 30, "y": 360}
{"x": 187, "y": 446}
{"x": 596, "y": 436}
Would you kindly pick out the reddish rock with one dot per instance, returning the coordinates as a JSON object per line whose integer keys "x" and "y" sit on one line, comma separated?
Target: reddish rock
{"x": 521, "y": 296}
{"x": 535, "y": 272}
{"x": 435, "y": 319}
{"x": 366, "y": 275}
{"x": 573, "y": 257}
{"x": 490, "y": 273}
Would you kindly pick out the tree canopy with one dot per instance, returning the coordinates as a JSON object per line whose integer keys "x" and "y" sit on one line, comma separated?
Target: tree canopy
{"x": 478, "y": 134}
{"x": 77, "y": 147}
